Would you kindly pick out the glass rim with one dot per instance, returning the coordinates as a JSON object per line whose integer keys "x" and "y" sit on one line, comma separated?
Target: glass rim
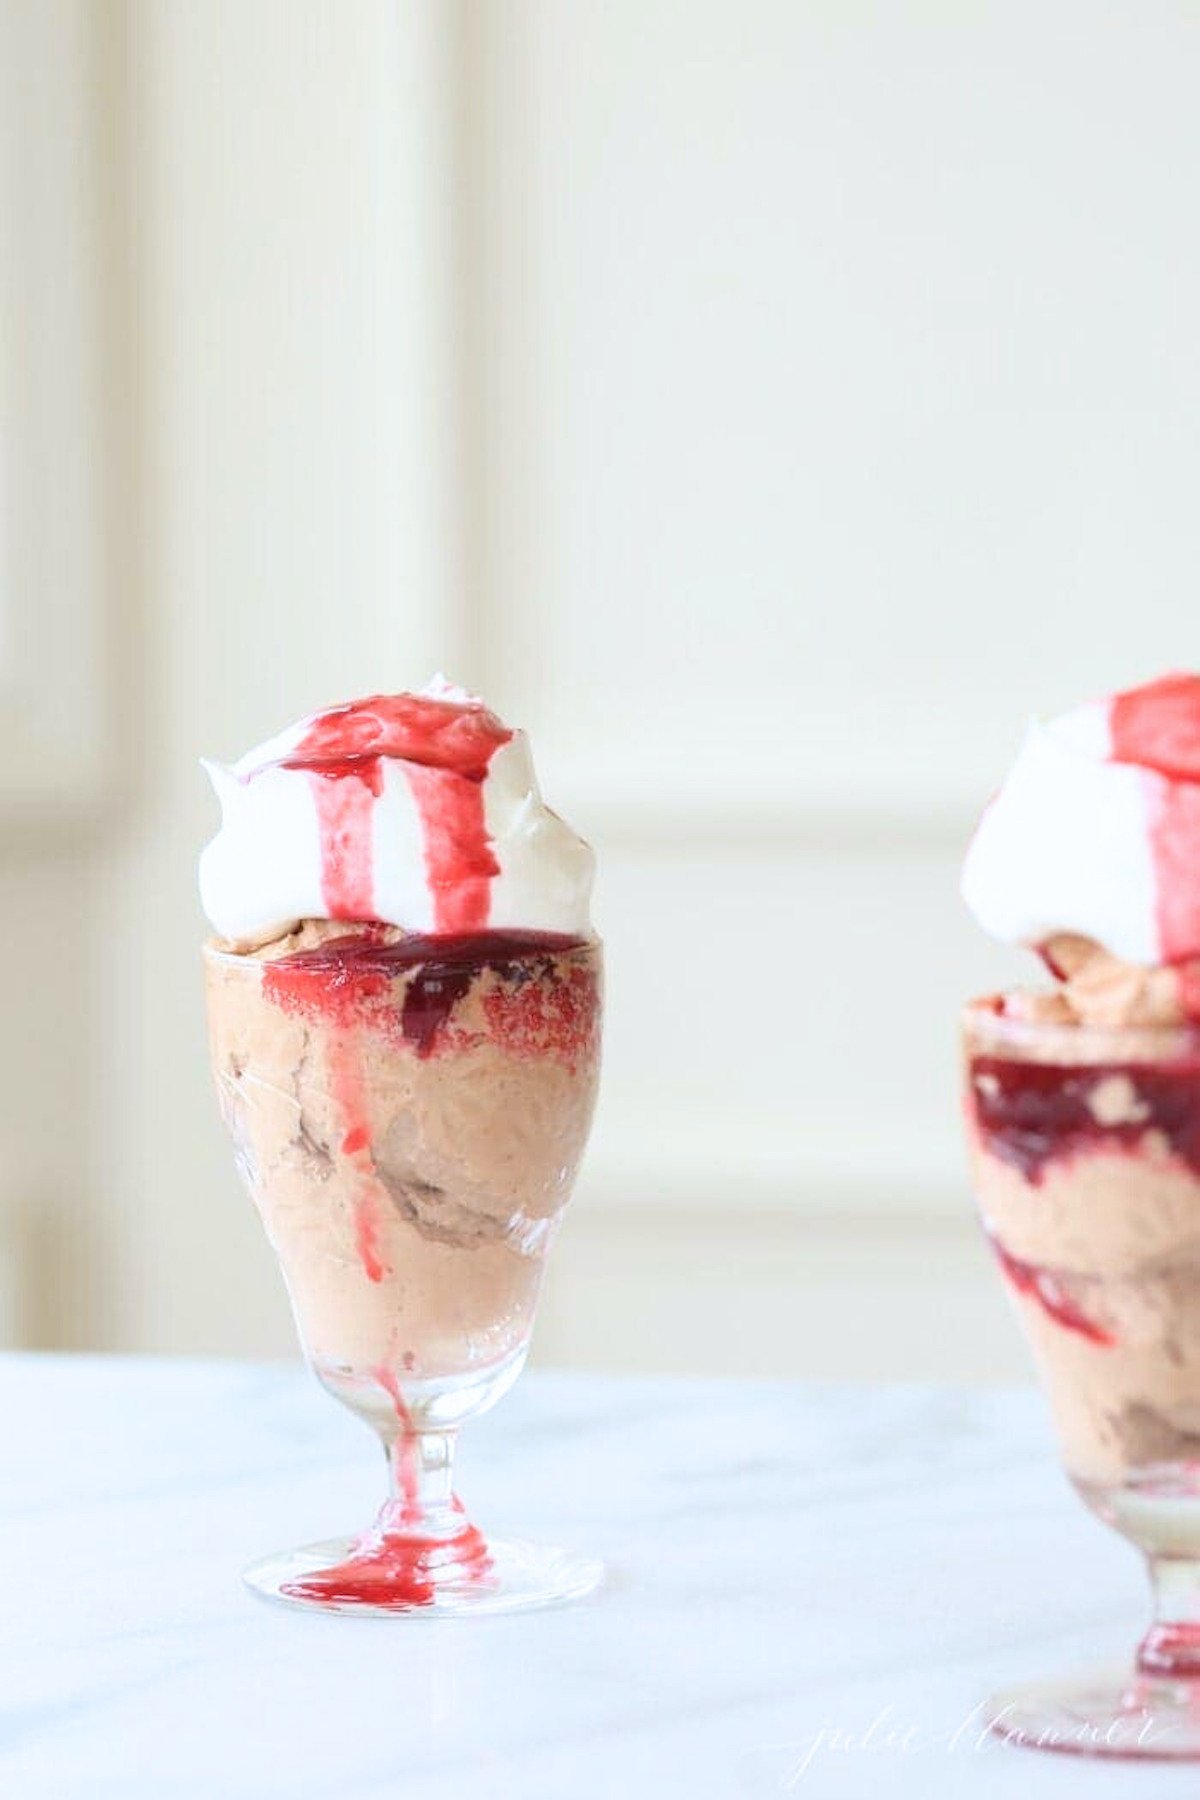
{"x": 984, "y": 1022}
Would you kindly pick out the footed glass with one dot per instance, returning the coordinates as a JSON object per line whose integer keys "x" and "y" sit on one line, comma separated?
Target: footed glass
{"x": 409, "y": 1115}
{"x": 1085, "y": 1153}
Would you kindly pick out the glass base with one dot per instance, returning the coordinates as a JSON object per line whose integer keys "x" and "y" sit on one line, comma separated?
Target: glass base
{"x": 516, "y": 1576}
{"x": 1107, "y": 1712}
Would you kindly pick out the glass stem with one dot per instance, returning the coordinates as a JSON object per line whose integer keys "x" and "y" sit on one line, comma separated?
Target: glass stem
{"x": 1170, "y": 1649}
{"x": 421, "y": 1495}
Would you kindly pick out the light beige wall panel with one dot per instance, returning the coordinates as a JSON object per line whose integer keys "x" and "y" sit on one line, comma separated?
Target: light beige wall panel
{"x": 842, "y": 400}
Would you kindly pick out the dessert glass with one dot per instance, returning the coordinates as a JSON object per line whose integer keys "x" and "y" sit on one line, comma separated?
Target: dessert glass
{"x": 409, "y": 1115}
{"x": 1085, "y": 1153}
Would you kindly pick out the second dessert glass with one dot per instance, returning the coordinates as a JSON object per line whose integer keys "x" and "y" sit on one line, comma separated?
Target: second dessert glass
{"x": 409, "y": 1115}
{"x": 1085, "y": 1154}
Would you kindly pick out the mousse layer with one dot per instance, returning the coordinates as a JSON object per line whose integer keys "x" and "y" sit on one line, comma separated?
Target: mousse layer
{"x": 1096, "y": 988}
{"x": 1085, "y": 1156}
{"x": 409, "y": 1116}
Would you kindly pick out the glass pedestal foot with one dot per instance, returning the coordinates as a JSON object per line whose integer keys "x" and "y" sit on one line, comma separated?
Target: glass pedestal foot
{"x": 424, "y": 1579}
{"x": 1105, "y": 1712}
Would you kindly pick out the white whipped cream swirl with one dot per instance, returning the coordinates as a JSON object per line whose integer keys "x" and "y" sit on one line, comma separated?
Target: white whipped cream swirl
{"x": 289, "y": 834}
{"x": 1096, "y": 831}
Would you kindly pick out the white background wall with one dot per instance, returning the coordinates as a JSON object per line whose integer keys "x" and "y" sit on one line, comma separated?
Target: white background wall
{"x": 767, "y": 404}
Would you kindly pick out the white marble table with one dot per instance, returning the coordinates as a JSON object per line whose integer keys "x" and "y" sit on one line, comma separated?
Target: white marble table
{"x": 787, "y": 1562}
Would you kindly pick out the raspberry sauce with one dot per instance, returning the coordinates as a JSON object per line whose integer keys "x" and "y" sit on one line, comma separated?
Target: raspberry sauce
{"x": 403, "y": 1453}
{"x": 1171, "y": 1649}
{"x": 347, "y": 981}
{"x": 1157, "y": 728}
{"x": 1029, "y": 1114}
{"x": 346, "y": 1083}
{"x": 444, "y": 748}
{"x": 395, "y": 1564}
{"x": 397, "y": 1569}
{"x": 1044, "y": 1286}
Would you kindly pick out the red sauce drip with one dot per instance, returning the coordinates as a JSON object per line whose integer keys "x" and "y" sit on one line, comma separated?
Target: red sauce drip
{"x": 1046, "y": 1288}
{"x": 1157, "y": 728}
{"x": 397, "y": 1570}
{"x": 1175, "y": 847}
{"x": 459, "y": 863}
{"x": 405, "y": 1450}
{"x": 348, "y": 981}
{"x": 1171, "y": 1648}
{"x": 345, "y": 809}
{"x": 1053, "y": 969}
{"x": 346, "y": 1082}
{"x": 445, "y": 747}
{"x": 1030, "y": 1114}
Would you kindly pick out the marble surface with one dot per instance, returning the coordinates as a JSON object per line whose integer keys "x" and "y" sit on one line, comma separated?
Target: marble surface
{"x": 811, "y": 1589}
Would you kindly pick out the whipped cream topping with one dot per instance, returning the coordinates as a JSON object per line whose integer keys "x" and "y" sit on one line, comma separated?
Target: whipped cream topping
{"x": 1095, "y": 833}
{"x": 415, "y": 810}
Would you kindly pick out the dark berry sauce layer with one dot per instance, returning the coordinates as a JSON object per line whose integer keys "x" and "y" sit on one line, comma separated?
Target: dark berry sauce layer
{"x": 1029, "y": 1114}
{"x": 347, "y": 978}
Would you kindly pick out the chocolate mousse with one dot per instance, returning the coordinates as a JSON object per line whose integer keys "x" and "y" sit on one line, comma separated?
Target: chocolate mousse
{"x": 409, "y": 1113}
{"x": 1085, "y": 1155}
